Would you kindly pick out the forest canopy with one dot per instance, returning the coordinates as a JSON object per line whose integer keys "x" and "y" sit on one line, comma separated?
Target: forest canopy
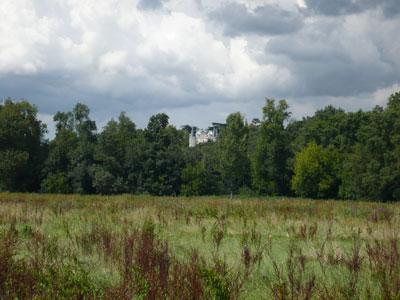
{"x": 331, "y": 154}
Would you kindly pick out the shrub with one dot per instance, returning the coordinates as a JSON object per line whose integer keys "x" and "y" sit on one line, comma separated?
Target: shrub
{"x": 315, "y": 172}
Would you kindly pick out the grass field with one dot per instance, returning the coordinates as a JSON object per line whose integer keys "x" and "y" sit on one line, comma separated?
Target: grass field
{"x": 124, "y": 247}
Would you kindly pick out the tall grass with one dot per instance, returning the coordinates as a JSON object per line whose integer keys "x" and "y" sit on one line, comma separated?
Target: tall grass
{"x": 124, "y": 247}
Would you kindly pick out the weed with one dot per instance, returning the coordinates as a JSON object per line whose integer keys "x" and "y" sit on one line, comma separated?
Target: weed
{"x": 384, "y": 263}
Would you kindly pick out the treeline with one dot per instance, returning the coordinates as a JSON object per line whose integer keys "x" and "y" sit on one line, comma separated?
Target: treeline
{"x": 332, "y": 154}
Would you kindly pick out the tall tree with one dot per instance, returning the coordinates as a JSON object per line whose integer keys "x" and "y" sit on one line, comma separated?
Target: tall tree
{"x": 271, "y": 173}
{"x": 58, "y": 162}
{"x": 371, "y": 169}
{"x": 392, "y": 168}
{"x": 83, "y": 154}
{"x": 232, "y": 148}
{"x": 111, "y": 171}
{"x": 22, "y": 147}
{"x": 201, "y": 175}
{"x": 71, "y": 153}
{"x": 163, "y": 157}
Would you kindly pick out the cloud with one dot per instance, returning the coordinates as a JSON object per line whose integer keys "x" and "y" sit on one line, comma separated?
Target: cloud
{"x": 197, "y": 60}
{"x": 270, "y": 19}
{"x": 390, "y": 8}
{"x": 150, "y": 4}
{"x": 112, "y": 62}
{"x": 346, "y": 56}
{"x": 113, "y": 57}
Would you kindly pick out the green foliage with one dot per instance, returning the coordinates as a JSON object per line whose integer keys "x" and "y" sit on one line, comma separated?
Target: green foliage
{"x": 163, "y": 157}
{"x": 329, "y": 126}
{"x": 217, "y": 285}
{"x": 103, "y": 181}
{"x": 56, "y": 183}
{"x": 21, "y": 146}
{"x": 12, "y": 163}
{"x": 232, "y": 145}
{"x": 371, "y": 169}
{"x": 111, "y": 172}
{"x": 68, "y": 280}
{"x": 201, "y": 174}
{"x": 71, "y": 152}
{"x": 315, "y": 172}
{"x": 270, "y": 160}
{"x": 194, "y": 180}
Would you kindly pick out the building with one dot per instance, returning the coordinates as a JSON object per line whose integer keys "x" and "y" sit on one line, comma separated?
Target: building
{"x": 203, "y": 136}
{"x": 192, "y": 138}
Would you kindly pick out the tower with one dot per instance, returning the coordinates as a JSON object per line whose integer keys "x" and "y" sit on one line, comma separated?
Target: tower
{"x": 192, "y": 137}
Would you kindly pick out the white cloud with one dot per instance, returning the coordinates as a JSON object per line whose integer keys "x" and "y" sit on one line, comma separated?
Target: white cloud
{"x": 380, "y": 96}
{"x": 22, "y": 38}
{"x": 112, "y": 62}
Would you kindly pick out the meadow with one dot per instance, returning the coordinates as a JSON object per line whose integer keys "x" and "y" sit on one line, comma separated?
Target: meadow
{"x": 143, "y": 247}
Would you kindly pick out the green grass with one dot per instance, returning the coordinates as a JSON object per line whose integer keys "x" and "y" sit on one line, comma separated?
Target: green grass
{"x": 313, "y": 244}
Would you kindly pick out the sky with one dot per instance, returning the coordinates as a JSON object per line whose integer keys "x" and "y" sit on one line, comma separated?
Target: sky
{"x": 198, "y": 60}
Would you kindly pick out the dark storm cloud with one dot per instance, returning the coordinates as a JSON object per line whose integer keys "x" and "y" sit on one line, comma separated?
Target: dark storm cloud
{"x": 150, "y": 4}
{"x": 237, "y": 19}
{"x": 340, "y": 78}
{"x": 337, "y": 7}
{"x": 50, "y": 92}
{"x": 390, "y": 8}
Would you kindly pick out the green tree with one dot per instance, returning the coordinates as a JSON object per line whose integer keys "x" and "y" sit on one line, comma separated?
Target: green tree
{"x": 111, "y": 170}
{"x": 22, "y": 147}
{"x": 391, "y": 171}
{"x": 328, "y": 126}
{"x": 59, "y": 159}
{"x": 316, "y": 172}
{"x": 163, "y": 157}
{"x": 201, "y": 175}
{"x": 83, "y": 154}
{"x": 371, "y": 169}
{"x": 194, "y": 180}
{"x": 232, "y": 147}
{"x": 12, "y": 164}
{"x": 71, "y": 153}
{"x": 271, "y": 173}
{"x": 56, "y": 183}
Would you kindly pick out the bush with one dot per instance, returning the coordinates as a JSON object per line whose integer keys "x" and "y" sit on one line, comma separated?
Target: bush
{"x": 315, "y": 172}
{"x": 56, "y": 184}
